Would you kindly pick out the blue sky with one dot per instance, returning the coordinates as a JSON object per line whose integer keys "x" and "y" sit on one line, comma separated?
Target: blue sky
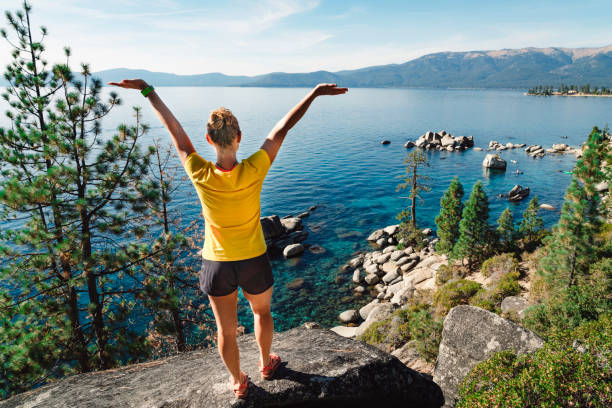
{"x": 255, "y": 37}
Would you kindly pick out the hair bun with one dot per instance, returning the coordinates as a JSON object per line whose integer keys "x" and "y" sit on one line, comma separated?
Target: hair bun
{"x": 216, "y": 122}
{"x": 222, "y": 126}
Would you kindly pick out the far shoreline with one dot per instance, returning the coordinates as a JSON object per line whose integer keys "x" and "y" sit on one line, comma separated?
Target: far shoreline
{"x": 576, "y": 94}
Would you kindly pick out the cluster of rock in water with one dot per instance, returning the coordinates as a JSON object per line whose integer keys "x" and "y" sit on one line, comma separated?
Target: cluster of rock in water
{"x": 441, "y": 141}
{"x": 495, "y": 161}
{"x": 535, "y": 150}
{"x": 286, "y": 235}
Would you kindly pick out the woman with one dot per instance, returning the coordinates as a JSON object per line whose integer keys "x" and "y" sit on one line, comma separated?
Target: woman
{"x": 235, "y": 252}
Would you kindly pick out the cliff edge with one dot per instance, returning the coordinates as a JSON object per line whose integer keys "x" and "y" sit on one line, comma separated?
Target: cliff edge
{"x": 320, "y": 369}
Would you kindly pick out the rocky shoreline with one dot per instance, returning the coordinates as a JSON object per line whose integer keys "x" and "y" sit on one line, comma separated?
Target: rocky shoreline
{"x": 391, "y": 276}
{"x": 397, "y": 278}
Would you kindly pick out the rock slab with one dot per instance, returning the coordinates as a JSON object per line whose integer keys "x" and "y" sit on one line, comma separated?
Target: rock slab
{"x": 494, "y": 161}
{"x": 319, "y": 369}
{"x": 471, "y": 335}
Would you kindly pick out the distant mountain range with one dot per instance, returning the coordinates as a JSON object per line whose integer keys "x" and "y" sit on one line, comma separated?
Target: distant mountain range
{"x": 507, "y": 68}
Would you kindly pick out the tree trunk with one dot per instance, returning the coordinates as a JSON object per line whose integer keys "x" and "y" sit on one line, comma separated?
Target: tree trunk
{"x": 92, "y": 290}
{"x": 570, "y": 281}
{"x": 178, "y": 326}
{"x": 176, "y": 317}
{"x": 414, "y": 192}
{"x": 73, "y": 314}
{"x": 77, "y": 333}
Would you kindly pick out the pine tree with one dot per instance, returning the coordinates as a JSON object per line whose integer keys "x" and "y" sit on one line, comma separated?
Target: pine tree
{"x": 417, "y": 183}
{"x": 505, "y": 230}
{"x": 531, "y": 224}
{"x": 473, "y": 228}
{"x": 571, "y": 249}
{"x": 75, "y": 205}
{"x": 451, "y": 207}
{"x": 172, "y": 287}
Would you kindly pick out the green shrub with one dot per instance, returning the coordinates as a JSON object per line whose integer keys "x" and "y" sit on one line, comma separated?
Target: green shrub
{"x": 483, "y": 299}
{"x": 454, "y": 293}
{"x": 375, "y": 334}
{"x": 412, "y": 236}
{"x": 444, "y": 274}
{"x": 412, "y": 323}
{"x": 426, "y": 331}
{"x": 557, "y": 375}
{"x": 508, "y": 285}
{"x": 499, "y": 265}
{"x": 400, "y": 246}
{"x": 569, "y": 308}
{"x": 490, "y": 299}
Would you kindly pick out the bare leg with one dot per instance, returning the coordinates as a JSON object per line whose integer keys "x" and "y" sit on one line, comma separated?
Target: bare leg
{"x": 224, "y": 308}
{"x": 264, "y": 324}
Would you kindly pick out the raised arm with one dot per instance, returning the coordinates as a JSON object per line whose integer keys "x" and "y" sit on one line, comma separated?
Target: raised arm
{"x": 180, "y": 139}
{"x": 277, "y": 134}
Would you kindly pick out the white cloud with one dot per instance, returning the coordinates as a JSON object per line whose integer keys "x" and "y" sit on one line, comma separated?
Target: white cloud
{"x": 249, "y": 38}
{"x": 351, "y": 12}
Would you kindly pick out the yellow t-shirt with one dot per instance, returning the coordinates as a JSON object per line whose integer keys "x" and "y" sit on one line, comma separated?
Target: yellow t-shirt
{"x": 230, "y": 205}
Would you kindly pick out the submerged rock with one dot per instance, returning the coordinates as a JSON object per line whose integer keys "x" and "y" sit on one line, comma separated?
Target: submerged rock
{"x": 296, "y": 284}
{"x": 320, "y": 368}
{"x": 317, "y": 249}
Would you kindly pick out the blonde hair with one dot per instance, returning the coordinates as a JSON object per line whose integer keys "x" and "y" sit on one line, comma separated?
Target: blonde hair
{"x": 222, "y": 127}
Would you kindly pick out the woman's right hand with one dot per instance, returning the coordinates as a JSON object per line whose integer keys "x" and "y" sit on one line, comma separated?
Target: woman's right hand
{"x": 329, "y": 89}
{"x": 131, "y": 84}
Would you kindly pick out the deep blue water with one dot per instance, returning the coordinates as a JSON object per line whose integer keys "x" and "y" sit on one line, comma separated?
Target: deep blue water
{"x": 333, "y": 159}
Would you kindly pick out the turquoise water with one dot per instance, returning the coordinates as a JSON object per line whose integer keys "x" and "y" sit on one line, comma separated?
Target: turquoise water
{"x": 333, "y": 159}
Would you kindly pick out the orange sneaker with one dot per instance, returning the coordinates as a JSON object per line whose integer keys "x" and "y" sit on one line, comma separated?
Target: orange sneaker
{"x": 240, "y": 390}
{"x": 268, "y": 371}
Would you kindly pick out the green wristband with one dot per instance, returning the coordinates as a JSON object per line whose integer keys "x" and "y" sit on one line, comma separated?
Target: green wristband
{"x": 147, "y": 90}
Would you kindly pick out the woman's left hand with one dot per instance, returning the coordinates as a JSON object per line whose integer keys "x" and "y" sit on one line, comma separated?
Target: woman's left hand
{"x": 131, "y": 84}
{"x": 329, "y": 89}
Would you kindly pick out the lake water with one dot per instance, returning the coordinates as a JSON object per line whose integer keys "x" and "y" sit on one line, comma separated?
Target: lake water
{"x": 334, "y": 159}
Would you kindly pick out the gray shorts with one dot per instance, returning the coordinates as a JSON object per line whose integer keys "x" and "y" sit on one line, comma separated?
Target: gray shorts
{"x": 220, "y": 278}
